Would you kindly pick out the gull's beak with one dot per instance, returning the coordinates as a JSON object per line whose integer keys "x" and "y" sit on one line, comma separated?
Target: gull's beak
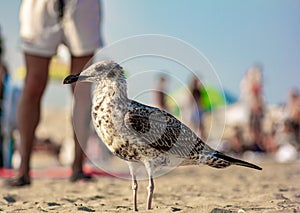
{"x": 71, "y": 79}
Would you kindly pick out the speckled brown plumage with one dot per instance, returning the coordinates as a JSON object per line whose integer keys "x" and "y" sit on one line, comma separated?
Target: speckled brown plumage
{"x": 142, "y": 134}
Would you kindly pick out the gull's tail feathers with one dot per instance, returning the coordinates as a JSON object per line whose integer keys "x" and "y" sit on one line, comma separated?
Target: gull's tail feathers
{"x": 219, "y": 160}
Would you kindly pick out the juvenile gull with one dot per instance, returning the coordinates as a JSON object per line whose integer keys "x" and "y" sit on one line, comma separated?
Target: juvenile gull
{"x": 141, "y": 134}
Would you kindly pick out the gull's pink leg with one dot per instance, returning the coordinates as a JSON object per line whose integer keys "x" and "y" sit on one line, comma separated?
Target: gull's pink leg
{"x": 132, "y": 169}
{"x": 150, "y": 192}
{"x": 149, "y": 169}
{"x": 134, "y": 188}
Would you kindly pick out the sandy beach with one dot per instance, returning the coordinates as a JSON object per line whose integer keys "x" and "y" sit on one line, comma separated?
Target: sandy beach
{"x": 187, "y": 189}
{"x": 190, "y": 189}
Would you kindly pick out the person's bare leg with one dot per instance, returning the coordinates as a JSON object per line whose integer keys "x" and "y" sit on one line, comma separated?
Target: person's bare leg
{"x": 81, "y": 113}
{"x": 28, "y": 115}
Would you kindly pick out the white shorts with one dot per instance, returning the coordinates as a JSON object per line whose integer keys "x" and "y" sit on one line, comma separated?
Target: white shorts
{"x": 42, "y": 31}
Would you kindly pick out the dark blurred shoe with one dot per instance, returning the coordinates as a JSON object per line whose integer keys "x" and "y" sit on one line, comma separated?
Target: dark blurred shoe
{"x": 18, "y": 182}
{"x": 77, "y": 176}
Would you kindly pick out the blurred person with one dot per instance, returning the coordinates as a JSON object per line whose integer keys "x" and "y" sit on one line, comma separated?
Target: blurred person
{"x": 252, "y": 96}
{"x": 287, "y": 135}
{"x": 9, "y": 93}
{"x": 269, "y": 143}
{"x": 292, "y": 112}
{"x": 288, "y": 146}
{"x": 3, "y": 72}
{"x": 237, "y": 141}
{"x": 1, "y": 45}
{"x": 160, "y": 93}
{"x": 195, "y": 103}
{"x": 3, "y": 76}
{"x": 44, "y": 25}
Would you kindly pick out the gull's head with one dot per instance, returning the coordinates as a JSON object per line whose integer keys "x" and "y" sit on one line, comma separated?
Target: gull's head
{"x": 104, "y": 70}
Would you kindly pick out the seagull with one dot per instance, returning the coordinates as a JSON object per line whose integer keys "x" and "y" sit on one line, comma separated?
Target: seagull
{"x": 141, "y": 134}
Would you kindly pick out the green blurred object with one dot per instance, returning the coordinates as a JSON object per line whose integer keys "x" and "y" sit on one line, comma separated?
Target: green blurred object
{"x": 211, "y": 98}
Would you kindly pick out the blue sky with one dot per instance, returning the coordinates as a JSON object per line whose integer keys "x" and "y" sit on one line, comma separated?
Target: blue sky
{"x": 232, "y": 34}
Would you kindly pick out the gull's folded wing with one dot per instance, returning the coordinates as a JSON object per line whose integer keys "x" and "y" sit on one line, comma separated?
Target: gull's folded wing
{"x": 162, "y": 131}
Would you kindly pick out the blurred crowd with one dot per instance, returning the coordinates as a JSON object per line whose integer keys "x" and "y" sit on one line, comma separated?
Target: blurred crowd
{"x": 264, "y": 129}
{"x": 278, "y": 136}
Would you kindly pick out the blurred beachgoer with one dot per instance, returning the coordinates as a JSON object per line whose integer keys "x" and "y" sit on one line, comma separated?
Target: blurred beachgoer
{"x": 9, "y": 94}
{"x": 237, "y": 141}
{"x": 195, "y": 103}
{"x": 3, "y": 71}
{"x": 160, "y": 93}
{"x": 252, "y": 96}
{"x": 293, "y": 112}
{"x": 44, "y": 26}
{"x": 269, "y": 143}
{"x": 1, "y": 44}
{"x": 287, "y": 135}
{"x": 3, "y": 74}
{"x": 287, "y": 143}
